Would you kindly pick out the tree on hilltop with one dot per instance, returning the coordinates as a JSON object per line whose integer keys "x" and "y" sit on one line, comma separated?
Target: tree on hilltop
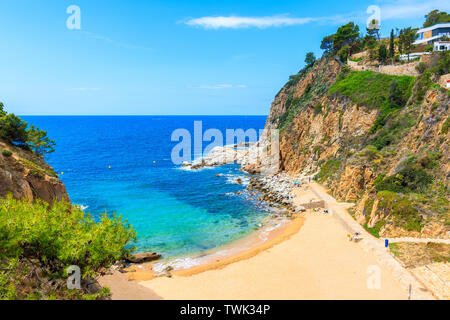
{"x": 392, "y": 46}
{"x": 382, "y": 53}
{"x": 408, "y": 36}
{"x": 347, "y": 34}
{"x": 435, "y": 17}
{"x": 374, "y": 30}
{"x": 310, "y": 59}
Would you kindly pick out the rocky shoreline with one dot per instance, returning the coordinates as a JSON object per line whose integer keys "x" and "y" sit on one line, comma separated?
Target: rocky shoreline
{"x": 276, "y": 188}
{"x": 275, "y": 191}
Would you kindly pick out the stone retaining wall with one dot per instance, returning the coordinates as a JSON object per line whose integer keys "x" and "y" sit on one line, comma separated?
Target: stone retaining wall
{"x": 396, "y": 70}
{"x": 443, "y": 80}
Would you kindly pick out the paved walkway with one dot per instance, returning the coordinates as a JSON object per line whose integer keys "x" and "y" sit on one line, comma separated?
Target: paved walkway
{"x": 373, "y": 245}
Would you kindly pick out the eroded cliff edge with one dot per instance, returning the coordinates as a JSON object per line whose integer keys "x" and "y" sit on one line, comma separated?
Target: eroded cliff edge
{"x": 378, "y": 140}
{"x": 27, "y": 176}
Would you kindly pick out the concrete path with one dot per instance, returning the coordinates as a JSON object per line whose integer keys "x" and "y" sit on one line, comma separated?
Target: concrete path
{"x": 373, "y": 245}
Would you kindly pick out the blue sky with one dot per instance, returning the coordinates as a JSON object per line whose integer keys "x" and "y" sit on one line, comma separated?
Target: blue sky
{"x": 169, "y": 57}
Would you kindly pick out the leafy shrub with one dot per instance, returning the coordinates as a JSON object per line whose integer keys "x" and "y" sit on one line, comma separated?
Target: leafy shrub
{"x": 318, "y": 109}
{"x": 430, "y": 160}
{"x": 13, "y": 129}
{"x": 421, "y": 67}
{"x": 428, "y": 48}
{"x": 60, "y": 235}
{"x": 375, "y": 231}
{"x": 372, "y": 89}
{"x": 368, "y": 206}
{"x": 343, "y": 53}
{"x": 328, "y": 169}
{"x": 16, "y": 131}
{"x": 382, "y": 141}
{"x": 412, "y": 178}
{"x": 355, "y": 60}
{"x": 6, "y": 153}
{"x": 443, "y": 64}
{"x": 421, "y": 86}
{"x": 370, "y": 152}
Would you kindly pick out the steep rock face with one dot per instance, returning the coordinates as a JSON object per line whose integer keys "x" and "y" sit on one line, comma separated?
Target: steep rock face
{"x": 331, "y": 134}
{"x": 27, "y": 176}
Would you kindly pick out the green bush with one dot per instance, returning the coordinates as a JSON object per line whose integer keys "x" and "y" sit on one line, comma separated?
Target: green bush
{"x": 428, "y": 48}
{"x": 370, "y": 152}
{"x": 318, "y": 109}
{"x": 6, "y": 153}
{"x": 401, "y": 209}
{"x": 375, "y": 231}
{"x": 356, "y": 60}
{"x": 13, "y": 129}
{"x": 445, "y": 126}
{"x": 60, "y": 235}
{"x": 421, "y": 86}
{"x": 421, "y": 67}
{"x": 327, "y": 170}
{"x": 443, "y": 64}
{"x": 431, "y": 159}
{"x": 374, "y": 90}
{"x": 411, "y": 178}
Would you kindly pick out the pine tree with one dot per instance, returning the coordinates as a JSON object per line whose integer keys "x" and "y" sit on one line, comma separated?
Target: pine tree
{"x": 391, "y": 46}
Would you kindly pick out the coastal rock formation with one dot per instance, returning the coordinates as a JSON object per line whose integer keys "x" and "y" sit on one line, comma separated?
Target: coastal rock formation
{"x": 277, "y": 189}
{"x": 394, "y": 164}
{"x": 142, "y": 257}
{"x": 251, "y": 157}
{"x": 27, "y": 176}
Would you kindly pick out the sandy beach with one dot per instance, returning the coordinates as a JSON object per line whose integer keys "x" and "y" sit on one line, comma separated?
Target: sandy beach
{"x": 313, "y": 259}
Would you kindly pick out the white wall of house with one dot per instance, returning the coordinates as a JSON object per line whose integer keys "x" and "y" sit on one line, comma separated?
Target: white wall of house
{"x": 441, "y": 46}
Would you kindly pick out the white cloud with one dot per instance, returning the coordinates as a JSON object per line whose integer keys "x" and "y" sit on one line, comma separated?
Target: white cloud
{"x": 236, "y": 22}
{"x": 403, "y": 9}
{"x": 218, "y": 86}
{"x": 112, "y": 41}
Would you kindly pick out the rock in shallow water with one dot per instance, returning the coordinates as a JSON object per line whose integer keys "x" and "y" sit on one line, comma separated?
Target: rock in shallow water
{"x": 143, "y": 257}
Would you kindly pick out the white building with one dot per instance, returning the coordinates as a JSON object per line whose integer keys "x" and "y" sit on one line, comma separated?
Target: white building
{"x": 430, "y": 34}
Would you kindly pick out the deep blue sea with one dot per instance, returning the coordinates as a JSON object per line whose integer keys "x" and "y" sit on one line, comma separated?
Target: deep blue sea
{"x": 123, "y": 164}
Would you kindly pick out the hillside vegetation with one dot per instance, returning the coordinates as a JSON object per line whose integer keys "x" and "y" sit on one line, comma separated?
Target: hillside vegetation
{"x": 39, "y": 242}
{"x": 378, "y": 140}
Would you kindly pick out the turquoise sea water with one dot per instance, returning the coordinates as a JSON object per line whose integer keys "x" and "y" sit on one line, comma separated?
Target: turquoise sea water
{"x": 175, "y": 212}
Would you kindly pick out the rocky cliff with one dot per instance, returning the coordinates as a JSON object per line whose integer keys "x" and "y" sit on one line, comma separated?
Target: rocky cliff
{"x": 27, "y": 176}
{"x": 380, "y": 141}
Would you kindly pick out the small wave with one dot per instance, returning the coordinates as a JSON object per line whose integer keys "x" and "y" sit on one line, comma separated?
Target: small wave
{"x": 82, "y": 207}
{"x": 237, "y": 179}
{"x": 189, "y": 168}
{"x": 177, "y": 264}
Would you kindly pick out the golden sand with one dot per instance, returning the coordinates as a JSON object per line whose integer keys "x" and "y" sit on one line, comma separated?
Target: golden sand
{"x": 309, "y": 258}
